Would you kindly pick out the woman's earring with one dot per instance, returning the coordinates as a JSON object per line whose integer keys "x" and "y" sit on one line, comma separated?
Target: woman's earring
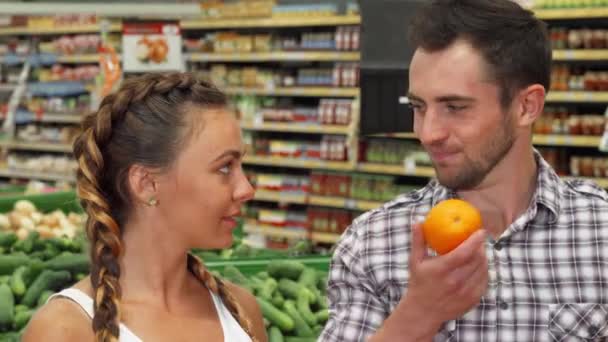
{"x": 152, "y": 202}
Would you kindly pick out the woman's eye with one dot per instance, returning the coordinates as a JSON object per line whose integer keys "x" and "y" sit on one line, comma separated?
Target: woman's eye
{"x": 225, "y": 169}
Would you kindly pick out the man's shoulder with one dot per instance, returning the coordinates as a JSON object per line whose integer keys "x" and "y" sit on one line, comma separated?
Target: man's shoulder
{"x": 585, "y": 190}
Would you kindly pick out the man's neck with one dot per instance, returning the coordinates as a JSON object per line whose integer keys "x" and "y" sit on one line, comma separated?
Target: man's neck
{"x": 506, "y": 192}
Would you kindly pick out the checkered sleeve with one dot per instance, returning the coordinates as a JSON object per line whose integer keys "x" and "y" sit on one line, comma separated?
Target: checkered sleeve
{"x": 355, "y": 310}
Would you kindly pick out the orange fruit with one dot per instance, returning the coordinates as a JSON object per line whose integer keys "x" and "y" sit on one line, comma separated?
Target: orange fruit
{"x": 449, "y": 223}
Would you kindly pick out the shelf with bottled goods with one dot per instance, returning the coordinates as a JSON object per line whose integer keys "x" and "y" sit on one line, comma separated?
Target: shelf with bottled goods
{"x": 36, "y": 146}
{"x": 295, "y": 91}
{"x": 44, "y": 176}
{"x": 297, "y": 163}
{"x": 323, "y": 201}
{"x": 271, "y": 22}
{"x": 296, "y": 128}
{"x": 572, "y": 13}
{"x": 275, "y": 56}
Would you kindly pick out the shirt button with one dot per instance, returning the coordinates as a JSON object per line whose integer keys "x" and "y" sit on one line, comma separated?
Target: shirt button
{"x": 592, "y": 330}
{"x": 497, "y": 246}
{"x": 503, "y": 305}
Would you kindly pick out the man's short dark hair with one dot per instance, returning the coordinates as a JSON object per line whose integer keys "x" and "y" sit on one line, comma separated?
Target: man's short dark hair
{"x": 512, "y": 40}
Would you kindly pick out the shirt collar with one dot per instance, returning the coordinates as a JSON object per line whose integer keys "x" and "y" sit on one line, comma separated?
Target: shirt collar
{"x": 547, "y": 192}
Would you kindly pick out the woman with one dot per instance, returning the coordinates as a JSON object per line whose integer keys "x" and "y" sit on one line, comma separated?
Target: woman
{"x": 159, "y": 173}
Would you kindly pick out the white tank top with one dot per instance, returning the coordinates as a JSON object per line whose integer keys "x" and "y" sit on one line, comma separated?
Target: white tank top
{"x": 233, "y": 332}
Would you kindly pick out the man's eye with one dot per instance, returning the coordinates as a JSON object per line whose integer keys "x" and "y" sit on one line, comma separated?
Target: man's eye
{"x": 454, "y": 108}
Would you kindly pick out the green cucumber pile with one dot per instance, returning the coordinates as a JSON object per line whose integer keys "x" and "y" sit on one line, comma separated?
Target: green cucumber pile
{"x": 31, "y": 270}
{"x": 292, "y": 298}
{"x": 291, "y": 295}
{"x": 241, "y": 250}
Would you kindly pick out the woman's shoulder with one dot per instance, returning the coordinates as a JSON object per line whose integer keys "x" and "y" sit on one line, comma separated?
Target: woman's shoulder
{"x": 249, "y": 304}
{"x": 74, "y": 325}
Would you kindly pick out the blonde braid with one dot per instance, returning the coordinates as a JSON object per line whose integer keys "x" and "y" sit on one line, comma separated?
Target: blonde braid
{"x": 217, "y": 286}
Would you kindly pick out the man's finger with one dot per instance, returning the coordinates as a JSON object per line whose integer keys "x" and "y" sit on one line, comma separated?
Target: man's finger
{"x": 418, "y": 252}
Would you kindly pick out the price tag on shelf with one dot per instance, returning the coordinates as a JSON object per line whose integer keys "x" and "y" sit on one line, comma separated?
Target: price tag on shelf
{"x": 553, "y": 140}
{"x": 350, "y": 204}
{"x": 409, "y": 166}
{"x": 604, "y": 141}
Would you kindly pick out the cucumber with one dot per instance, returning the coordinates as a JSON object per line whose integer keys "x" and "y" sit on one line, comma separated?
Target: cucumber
{"x": 10, "y": 337}
{"x": 322, "y": 281}
{"x": 7, "y": 240}
{"x": 322, "y": 303}
{"x": 300, "y": 326}
{"x": 275, "y": 335}
{"x": 17, "y": 283}
{"x": 9, "y": 263}
{"x": 21, "y": 319}
{"x": 278, "y": 299}
{"x": 263, "y": 275}
{"x": 291, "y": 289}
{"x": 47, "y": 280}
{"x": 285, "y": 269}
{"x": 30, "y": 240}
{"x": 7, "y": 306}
{"x": 21, "y": 307}
{"x": 303, "y": 306}
{"x": 34, "y": 269}
{"x": 74, "y": 263}
{"x": 4, "y": 279}
{"x": 322, "y": 316}
{"x": 44, "y": 297}
{"x": 308, "y": 278}
{"x": 317, "y": 329}
{"x": 267, "y": 289}
{"x": 50, "y": 251}
{"x": 275, "y": 316}
{"x": 233, "y": 274}
{"x": 300, "y": 339}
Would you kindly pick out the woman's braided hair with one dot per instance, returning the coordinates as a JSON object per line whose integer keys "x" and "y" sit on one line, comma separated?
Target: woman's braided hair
{"x": 145, "y": 122}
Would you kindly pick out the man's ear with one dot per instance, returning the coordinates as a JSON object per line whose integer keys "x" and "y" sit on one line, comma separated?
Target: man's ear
{"x": 530, "y": 104}
{"x": 142, "y": 184}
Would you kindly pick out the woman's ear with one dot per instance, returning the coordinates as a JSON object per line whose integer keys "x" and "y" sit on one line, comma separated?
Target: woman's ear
{"x": 142, "y": 185}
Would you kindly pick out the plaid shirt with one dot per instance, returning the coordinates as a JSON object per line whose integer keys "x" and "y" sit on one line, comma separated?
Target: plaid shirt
{"x": 548, "y": 272}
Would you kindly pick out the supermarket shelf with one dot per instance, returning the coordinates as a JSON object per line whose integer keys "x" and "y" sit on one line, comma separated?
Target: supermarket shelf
{"x": 280, "y": 197}
{"x": 572, "y": 13}
{"x": 344, "y": 203}
{"x": 91, "y": 58}
{"x": 578, "y": 96}
{"x": 115, "y": 27}
{"x": 271, "y": 22}
{"x": 7, "y": 87}
{"x": 400, "y": 170}
{"x": 295, "y": 163}
{"x": 278, "y": 56}
{"x": 295, "y": 91}
{"x": 580, "y": 55}
{"x": 36, "y": 175}
{"x": 539, "y": 139}
{"x": 325, "y": 237}
{"x": 45, "y": 147}
{"x": 295, "y": 128}
{"x": 60, "y": 118}
{"x": 566, "y": 140}
{"x": 253, "y": 227}
{"x": 603, "y": 182}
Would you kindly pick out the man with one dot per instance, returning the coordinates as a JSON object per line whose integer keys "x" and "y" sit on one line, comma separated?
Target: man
{"x": 539, "y": 269}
